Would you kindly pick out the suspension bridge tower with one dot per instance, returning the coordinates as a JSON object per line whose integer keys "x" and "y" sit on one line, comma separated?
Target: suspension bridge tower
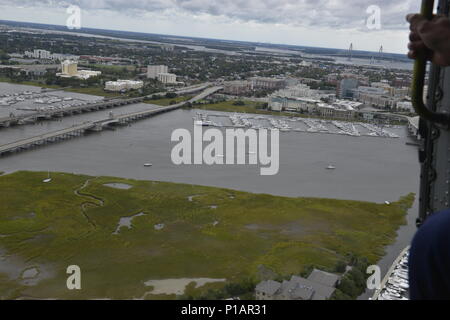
{"x": 350, "y": 52}
{"x": 380, "y": 54}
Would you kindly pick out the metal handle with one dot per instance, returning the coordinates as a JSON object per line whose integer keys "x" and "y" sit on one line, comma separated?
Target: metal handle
{"x": 418, "y": 81}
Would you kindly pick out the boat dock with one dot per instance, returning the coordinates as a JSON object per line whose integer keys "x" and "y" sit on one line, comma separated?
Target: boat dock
{"x": 389, "y": 274}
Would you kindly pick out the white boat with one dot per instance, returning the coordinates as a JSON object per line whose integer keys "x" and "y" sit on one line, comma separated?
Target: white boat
{"x": 331, "y": 167}
{"x": 203, "y": 123}
{"x": 148, "y": 164}
{"x": 48, "y": 178}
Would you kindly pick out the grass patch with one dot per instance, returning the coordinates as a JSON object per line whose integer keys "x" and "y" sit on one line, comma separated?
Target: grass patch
{"x": 284, "y": 234}
{"x": 95, "y": 91}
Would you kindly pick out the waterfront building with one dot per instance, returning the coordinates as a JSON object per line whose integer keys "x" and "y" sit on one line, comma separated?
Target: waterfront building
{"x": 278, "y": 103}
{"x": 340, "y": 109}
{"x": 303, "y": 91}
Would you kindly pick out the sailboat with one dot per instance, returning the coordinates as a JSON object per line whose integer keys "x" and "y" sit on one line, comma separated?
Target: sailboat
{"x": 48, "y": 178}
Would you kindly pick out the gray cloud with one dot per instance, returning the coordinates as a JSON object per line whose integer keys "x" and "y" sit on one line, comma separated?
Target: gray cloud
{"x": 309, "y": 13}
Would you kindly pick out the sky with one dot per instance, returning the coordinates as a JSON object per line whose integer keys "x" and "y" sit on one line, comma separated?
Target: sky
{"x": 318, "y": 23}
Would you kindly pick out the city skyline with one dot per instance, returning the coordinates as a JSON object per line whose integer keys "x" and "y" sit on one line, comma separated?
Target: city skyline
{"x": 329, "y": 24}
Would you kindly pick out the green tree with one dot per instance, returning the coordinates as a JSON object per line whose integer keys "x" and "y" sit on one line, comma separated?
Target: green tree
{"x": 171, "y": 95}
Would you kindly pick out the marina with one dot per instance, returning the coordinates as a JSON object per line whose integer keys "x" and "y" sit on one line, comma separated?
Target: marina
{"x": 294, "y": 124}
{"x": 395, "y": 285}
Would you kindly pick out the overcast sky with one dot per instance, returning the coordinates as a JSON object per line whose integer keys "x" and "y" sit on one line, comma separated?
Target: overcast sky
{"x": 321, "y": 23}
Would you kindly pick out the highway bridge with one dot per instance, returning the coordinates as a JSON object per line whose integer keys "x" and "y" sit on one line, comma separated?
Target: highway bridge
{"x": 29, "y": 143}
{"x": 96, "y": 106}
{"x": 93, "y": 126}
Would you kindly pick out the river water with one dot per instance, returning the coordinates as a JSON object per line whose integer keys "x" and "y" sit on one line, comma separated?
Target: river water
{"x": 367, "y": 168}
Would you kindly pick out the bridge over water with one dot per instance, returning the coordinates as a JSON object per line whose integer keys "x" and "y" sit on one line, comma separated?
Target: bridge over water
{"x": 80, "y": 129}
{"x": 105, "y": 104}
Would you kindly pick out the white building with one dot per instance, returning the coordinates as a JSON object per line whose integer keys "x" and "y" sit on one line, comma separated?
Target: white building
{"x": 47, "y": 55}
{"x": 298, "y": 91}
{"x": 277, "y": 103}
{"x": 123, "y": 85}
{"x": 38, "y": 54}
{"x": 63, "y": 56}
{"x": 167, "y": 78}
{"x": 86, "y": 74}
{"x": 153, "y": 71}
{"x": 305, "y": 64}
{"x": 69, "y": 69}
